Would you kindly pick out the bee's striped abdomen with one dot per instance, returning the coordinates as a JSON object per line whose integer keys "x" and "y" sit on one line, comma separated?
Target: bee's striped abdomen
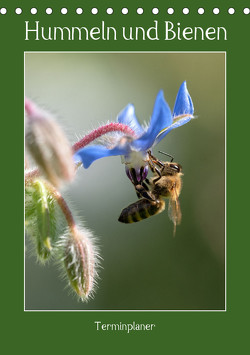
{"x": 140, "y": 210}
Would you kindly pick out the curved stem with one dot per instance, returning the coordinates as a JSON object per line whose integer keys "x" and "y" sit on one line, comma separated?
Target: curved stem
{"x": 98, "y": 132}
{"x": 64, "y": 207}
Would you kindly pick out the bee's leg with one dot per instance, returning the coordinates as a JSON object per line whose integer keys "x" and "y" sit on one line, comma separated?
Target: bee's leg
{"x": 158, "y": 172}
{"x": 154, "y": 161}
{"x": 151, "y": 155}
{"x": 151, "y": 165}
{"x": 140, "y": 189}
{"x": 149, "y": 183}
{"x": 145, "y": 186}
{"x": 144, "y": 192}
{"x": 150, "y": 161}
{"x": 160, "y": 164}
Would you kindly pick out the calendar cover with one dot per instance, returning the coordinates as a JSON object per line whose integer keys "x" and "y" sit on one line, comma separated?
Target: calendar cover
{"x": 124, "y": 134}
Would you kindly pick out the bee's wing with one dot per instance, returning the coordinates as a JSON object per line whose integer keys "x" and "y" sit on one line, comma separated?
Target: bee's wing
{"x": 174, "y": 210}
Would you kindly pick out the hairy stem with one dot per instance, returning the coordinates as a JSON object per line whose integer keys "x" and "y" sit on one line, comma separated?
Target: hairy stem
{"x": 98, "y": 132}
{"x": 64, "y": 207}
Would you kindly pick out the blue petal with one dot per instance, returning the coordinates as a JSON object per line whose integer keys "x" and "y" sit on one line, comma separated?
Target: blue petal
{"x": 128, "y": 117}
{"x": 161, "y": 118}
{"x": 89, "y": 154}
{"x": 183, "y": 103}
{"x": 179, "y": 121}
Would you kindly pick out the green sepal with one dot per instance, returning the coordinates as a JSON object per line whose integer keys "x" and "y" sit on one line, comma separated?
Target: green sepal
{"x": 40, "y": 216}
{"x": 73, "y": 276}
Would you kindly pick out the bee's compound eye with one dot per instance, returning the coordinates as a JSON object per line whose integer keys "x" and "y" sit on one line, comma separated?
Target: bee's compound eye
{"x": 176, "y": 167}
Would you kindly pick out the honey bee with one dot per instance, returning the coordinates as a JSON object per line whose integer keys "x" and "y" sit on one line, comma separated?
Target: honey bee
{"x": 166, "y": 183}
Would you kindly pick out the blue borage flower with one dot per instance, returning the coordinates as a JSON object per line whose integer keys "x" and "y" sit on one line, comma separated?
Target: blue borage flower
{"x": 134, "y": 150}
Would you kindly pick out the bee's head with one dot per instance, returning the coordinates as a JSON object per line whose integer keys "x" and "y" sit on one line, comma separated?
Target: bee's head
{"x": 172, "y": 168}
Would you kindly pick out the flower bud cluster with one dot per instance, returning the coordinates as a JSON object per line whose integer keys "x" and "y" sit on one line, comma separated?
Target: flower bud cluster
{"x": 72, "y": 246}
{"x": 48, "y": 219}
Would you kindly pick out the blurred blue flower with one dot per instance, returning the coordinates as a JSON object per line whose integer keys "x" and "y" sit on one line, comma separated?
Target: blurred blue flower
{"x": 135, "y": 150}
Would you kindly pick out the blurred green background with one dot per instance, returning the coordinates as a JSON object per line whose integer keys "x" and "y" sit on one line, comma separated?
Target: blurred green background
{"x": 144, "y": 267}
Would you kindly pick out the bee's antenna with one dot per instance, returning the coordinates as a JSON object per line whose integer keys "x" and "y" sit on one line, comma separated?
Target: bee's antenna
{"x": 172, "y": 158}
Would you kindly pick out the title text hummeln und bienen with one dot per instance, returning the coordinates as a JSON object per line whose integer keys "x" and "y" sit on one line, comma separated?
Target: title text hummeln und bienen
{"x": 165, "y": 30}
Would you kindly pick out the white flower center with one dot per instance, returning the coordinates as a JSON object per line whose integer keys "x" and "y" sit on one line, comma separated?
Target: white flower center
{"x": 135, "y": 159}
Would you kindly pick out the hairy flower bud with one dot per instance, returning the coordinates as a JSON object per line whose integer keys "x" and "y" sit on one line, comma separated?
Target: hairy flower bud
{"x": 80, "y": 260}
{"x": 48, "y": 145}
{"x": 40, "y": 217}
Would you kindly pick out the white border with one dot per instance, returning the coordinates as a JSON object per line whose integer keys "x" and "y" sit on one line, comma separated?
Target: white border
{"x": 142, "y": 310}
